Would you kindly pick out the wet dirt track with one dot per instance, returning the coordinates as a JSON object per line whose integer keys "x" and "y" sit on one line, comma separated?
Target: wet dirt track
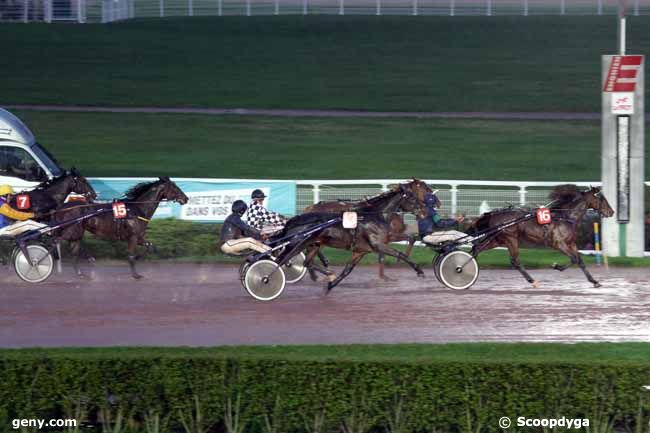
{"x": 204, "y": 305}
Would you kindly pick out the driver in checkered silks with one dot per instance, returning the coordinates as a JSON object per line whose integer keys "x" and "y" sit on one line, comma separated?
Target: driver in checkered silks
{"x": 260, "y": 217}
{"x": 237, "y": 236}
{"x": 432, "y": 228}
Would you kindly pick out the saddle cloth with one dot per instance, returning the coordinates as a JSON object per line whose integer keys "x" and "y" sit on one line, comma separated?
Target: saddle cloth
{"x": 443, "y": 236}
{"x": 20, "y": 227}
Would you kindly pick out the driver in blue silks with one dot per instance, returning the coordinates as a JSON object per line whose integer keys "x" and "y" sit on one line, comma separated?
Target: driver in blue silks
{"x": 432, "y": 228}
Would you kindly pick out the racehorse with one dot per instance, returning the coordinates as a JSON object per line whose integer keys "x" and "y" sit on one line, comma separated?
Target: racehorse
{"x": 141, "y": 202}
{"x": 567, "y": 209}
{"x": 371, "y": 235}
{"x": 395, "y": 221}
{"x": 52, "y": 193}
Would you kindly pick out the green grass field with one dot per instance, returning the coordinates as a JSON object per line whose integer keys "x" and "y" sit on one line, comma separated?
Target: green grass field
{"x": 601, "y": 353}
{"x": 326, "y": 148}
{"x": 536, "y": 63}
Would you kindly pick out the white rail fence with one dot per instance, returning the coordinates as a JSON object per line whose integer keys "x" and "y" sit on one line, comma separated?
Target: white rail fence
{"x": 82, "y": 11}
{"x": 459, "y": 197}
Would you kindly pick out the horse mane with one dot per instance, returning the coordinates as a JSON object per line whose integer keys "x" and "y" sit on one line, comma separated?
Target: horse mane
{"x": 140, "y": 188}
{"x": 309, "y": 218}
{"x": 50, "y": 182}
{"x": 563, "y": 194}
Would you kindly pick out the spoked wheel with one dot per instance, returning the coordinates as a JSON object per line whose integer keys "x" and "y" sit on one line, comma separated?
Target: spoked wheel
{"x": 295, "y": 269}
{"x": 436, "y": 266}
{"x": 264, "y": 280}
{"x": 242, "y": 272}
{"x": 458, "y": 270}
{"x": 38, "y": 268}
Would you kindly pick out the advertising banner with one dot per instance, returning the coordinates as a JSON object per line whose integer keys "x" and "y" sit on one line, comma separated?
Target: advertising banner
{"x": 209, "y": 200}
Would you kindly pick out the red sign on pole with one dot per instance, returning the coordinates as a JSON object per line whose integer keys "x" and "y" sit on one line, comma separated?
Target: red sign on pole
{"x": 622, "y": 74}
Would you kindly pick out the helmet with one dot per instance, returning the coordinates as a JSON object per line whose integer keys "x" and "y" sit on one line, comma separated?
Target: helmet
{"x": 431, "y": 200}
{"x": 6, "y": 189}
{"x": 258, "y": 194}
{"x": 239, "y": 207}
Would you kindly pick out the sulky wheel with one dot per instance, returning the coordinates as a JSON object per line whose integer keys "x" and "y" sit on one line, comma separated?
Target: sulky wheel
{"x": 38, "y": 268}
{"x": 436, "y": 266}
{"x": 242, "y": 273}
{"x": 264, "y": 280}
{"x": 458, "y": 270}
{"x": 295, "y": 269}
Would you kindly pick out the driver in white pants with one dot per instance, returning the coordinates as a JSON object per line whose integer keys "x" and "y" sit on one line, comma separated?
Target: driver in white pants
{"x": 237, "y": 236}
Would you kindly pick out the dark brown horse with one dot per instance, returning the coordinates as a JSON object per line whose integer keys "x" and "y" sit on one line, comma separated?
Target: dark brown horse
{"x": 567, "y": 209}
{"x": 371, "y": 235}
{"x": 397, "y": 232}
{"x": 141, "y": 202}
{"x": 52, "y": 193}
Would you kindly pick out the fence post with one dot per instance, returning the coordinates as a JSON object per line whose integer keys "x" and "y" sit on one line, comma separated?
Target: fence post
{"x": 47, "y": 12}
{"x": 378, "y": 12}
{"x": 26, "y": 12}
{"x": 562, "y": 7}
{"x": 304, "y": 7}
{"x": 316, "y": 191}
{"x": 220, "y": 7}
{"x": 522, "y": 195}
{"x": 488, "y": 8}
{"x": 452, "y": 7}
{"x": 636, "y": 8}
{"x": 190, "y": 8}
{"x": 248, "y": 8}
{"x": 162, "y": 8}
{"x": 600, "y": 7}
{"x": 277, "y": 7}
{"x": 384, "y": 187}
{"x": 454, "y": 199}
{"x": 415, "y": 7}
{"x": 341, "y": 7}
{"x": 525, "y": 8}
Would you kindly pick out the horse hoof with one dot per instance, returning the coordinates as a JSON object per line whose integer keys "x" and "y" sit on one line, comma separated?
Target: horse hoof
{"x": 554, "y": 266}
{"x": 597, "y": 284}
{"x": 330, "y": 278}
{"x": 535, "y": 284}
{"x": 137, "y": 276}
{"x": 313, "y": 277}
{"x": 91, "y": 259}
{"x": 420, "y": 274}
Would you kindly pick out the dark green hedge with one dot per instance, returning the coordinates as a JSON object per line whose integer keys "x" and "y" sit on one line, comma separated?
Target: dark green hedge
{"x": 201, "y": 394}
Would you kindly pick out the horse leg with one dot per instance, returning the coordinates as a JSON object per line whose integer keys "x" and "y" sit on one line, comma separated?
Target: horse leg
{"x": 323, "y": 259}
{"x": 381, "y": 259}
{"x": 576, "y": 259}
{"x": 75, "y": 249}
{"x": 312, "y": 266}
{"x": 356, "y": 258}
{"x": 133, "y": 242}
{"x": 385, "y": 249}
{"x": 513, "y": 250}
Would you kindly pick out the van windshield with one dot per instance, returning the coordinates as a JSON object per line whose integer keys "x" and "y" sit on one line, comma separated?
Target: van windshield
{"x": 47, "y": 159}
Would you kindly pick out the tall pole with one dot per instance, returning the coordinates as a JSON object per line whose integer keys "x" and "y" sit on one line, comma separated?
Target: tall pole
{"x": 623, "y": 153}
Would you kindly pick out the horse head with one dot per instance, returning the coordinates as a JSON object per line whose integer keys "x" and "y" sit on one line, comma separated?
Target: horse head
{"x": 596, "y": 200}
{"x": 171, "y": 191}
{"x": 80, "y": 185}
{"x": 419, "y": 188}
{"x": 410, "y": 202}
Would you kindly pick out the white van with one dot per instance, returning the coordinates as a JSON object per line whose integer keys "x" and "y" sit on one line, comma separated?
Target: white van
{"x": 23, "y": 162}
